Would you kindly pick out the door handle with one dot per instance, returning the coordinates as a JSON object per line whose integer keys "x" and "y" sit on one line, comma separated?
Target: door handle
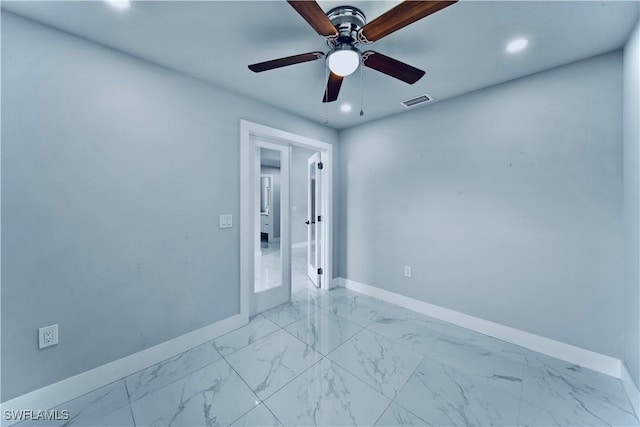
{"x": 307, "y": 222}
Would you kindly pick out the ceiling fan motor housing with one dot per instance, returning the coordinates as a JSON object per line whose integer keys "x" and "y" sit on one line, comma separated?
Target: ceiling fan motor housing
{"x": 347, "y": 20}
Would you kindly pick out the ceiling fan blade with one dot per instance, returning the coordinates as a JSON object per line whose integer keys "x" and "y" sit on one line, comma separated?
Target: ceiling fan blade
{"x": 315, "y": 16}
{"x": 333, "y": 88}
{"x": 392, "y": 67}
{"x": 399, "y": 17}
{"x": 283, "y": 62}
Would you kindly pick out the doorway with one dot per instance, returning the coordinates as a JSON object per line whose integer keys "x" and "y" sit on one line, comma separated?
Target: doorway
{"x": 271, "y": 235}
{"x": 314, "y": 221}
{"x": 305, "y": 229}
{"x": 260, "y": 244}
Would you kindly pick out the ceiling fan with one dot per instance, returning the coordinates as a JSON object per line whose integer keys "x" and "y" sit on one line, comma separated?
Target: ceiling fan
{"x": 344, "y": 28}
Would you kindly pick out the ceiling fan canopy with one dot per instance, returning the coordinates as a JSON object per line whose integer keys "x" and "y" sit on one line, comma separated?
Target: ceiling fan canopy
{"x": 344, "y": 28}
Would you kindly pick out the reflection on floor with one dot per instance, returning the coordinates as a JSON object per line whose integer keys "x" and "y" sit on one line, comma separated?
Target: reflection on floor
{"x": 335, "y": 358}
{"x": 268, "y": 266}
{"x": 268, "y": 272}
{"x": 299, "y": 278}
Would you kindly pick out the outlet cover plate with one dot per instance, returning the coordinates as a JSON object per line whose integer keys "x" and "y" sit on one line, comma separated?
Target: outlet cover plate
{"x": 407, "y": 271}
{"x": 47, "y": 336}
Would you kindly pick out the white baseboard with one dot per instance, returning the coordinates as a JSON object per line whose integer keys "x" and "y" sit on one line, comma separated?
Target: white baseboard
{"x": 631, "y": 388}
{"x": 586, "y": 358}
{"x": 299, "y": 245}
{"x": 335, "y": 282}
{"x": 58, "y": 393}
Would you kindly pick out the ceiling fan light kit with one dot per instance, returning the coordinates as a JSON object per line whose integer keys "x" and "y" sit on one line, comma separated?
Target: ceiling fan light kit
{"x": 344, "y": 60}
{"x": 346, "y": 27}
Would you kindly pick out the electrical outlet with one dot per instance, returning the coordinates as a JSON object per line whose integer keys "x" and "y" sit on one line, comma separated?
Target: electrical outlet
{"x": 407, "y": 271}
{"x": 47, "y": 336}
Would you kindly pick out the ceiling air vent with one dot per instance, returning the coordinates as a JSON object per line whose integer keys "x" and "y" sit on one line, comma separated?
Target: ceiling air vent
{"x": 418, "y": 100}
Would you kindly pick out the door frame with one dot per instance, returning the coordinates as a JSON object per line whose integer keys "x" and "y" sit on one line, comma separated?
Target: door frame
{"x": 249, "y": 131}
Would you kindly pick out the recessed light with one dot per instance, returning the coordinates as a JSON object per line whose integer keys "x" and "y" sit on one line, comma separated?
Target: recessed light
{"x": 517, "y": 45}
{"x": 345, "y": 108}
{"x": 120, "y": 4}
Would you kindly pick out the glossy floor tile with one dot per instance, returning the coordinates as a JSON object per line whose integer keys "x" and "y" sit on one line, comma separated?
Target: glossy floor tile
{"x": 396, "y": 415}
{"x": 268, "y": 267}
{"x": 339, "y": 358}
{"x": 481, "y": 364}
{"x": 157, "y": 376}
{"x": 260, "y": 416}
{"x": 106, "y": 406}
{"x": 378, "y": 361}
{"x": 418, "y": 336}
{"x": 258, "y": 327}
{"x": 214, "y": 395}
{"x": 319, "y": 298}
{"x": 285, "y": 314}
{"x": 323, "y": 330}
{"x": 327, "y": 395}
{"x": 565, "y": 397}
{"x": 441, "y": 396}
{"x": 357, "y": 313}
{"x": 272, "y": 361}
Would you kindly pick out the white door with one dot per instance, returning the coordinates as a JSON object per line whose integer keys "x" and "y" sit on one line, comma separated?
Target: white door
{"x": 271, "y": 231}
{"x": 314, "y": 220}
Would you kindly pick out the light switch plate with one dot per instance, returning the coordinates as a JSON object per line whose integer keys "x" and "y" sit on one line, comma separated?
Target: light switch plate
{"x": 226, "y": 221}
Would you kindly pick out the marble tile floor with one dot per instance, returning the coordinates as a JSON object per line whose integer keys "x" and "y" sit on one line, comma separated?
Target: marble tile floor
{"x": 267, "y": 267}
{"x": 338, "y": 358}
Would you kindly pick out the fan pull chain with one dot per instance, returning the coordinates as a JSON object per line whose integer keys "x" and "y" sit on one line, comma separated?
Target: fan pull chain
{"x": 361, "y": 88}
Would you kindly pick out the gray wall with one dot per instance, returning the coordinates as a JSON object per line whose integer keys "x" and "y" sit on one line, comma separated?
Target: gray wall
{"x": 114, "y": 172}
{"x": 507, "y": 203}
{"x": 632, "y": 202}
{"x": 274, "y": 211}
{"x": 299, "y": 171}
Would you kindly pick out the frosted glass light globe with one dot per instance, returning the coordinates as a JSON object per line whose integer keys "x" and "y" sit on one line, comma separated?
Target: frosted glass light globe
{"x": 343, "y": 62}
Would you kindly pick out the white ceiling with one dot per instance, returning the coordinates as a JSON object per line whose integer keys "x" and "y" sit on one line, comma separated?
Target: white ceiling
{"x": 462, "y": 48}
